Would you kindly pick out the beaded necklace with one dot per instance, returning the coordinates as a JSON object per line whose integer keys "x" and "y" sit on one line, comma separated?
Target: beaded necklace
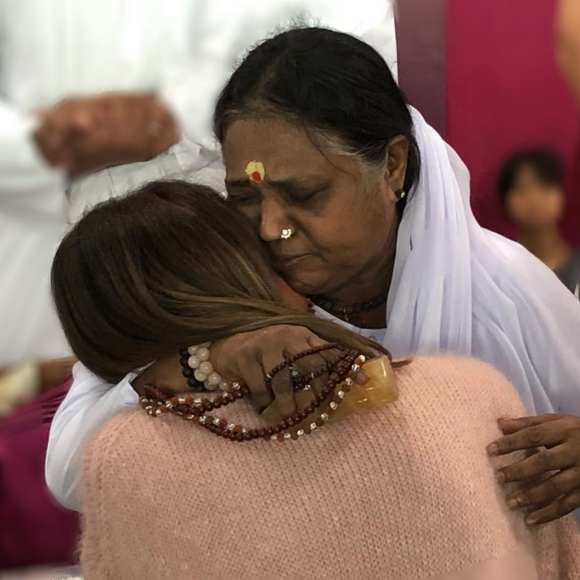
{"x": 351, "y": 313}
{"x": 342, "y": 372}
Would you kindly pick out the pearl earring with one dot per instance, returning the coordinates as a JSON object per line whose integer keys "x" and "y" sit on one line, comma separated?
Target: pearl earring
{"x": 400, "y": 194}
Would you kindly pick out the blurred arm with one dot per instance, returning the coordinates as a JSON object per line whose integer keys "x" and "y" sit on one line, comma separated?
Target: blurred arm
{"x": 88, "y": 405}
{"x": 24, "y": 174}
{"x": 568, "y": 42}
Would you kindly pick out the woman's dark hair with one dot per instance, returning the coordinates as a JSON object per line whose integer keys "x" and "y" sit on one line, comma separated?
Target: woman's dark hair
{"x": 326, "y": 82}
{"x": 546, "y": 164}
{"x": 171, "y": 265}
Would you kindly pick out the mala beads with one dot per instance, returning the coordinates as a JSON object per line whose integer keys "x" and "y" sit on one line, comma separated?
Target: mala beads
{"x": 198, "y": 371}
{"x": 196, "y": 410}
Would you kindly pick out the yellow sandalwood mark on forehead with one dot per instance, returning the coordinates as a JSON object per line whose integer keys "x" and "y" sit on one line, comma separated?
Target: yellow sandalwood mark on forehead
{"x": 255, "y": 171}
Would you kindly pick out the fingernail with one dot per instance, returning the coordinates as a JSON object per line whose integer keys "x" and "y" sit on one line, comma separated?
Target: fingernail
{"x": 493, "y": 450}
{"x": 513, "y": 503}
{"x": 500, "y": 476}
{"x": 531, "y": 520}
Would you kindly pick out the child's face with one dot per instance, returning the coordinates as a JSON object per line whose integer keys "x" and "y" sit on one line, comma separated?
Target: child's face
{"x": 533, "y": 205}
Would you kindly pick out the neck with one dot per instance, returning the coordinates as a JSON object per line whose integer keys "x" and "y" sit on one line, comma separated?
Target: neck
{"x": 547, "y": 245}
{"x": 374, "y": 278}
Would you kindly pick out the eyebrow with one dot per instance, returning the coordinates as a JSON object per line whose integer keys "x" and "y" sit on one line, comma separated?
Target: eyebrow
{"x": 287, "y": 183}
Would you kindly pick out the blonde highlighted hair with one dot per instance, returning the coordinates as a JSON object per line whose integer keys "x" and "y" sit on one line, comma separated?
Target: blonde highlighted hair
{"x": 170, "y": 265}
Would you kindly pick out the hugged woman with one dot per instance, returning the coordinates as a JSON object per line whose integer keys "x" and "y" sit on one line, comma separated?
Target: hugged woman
{"x": 399, "y": 491}
{"x": 365, "y": 210}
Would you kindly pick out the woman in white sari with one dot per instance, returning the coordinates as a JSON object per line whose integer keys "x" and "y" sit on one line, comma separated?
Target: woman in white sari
{"x": 365, "y": 210}
{"x": 161, "y": 64}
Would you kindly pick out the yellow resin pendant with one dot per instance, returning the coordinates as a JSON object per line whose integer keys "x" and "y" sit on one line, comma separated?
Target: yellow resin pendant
{"x": 380, "y": 391}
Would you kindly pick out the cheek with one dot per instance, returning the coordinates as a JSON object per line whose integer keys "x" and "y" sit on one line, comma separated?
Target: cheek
{"x": 349, "y": 236}
{"x": 557, "y": 206}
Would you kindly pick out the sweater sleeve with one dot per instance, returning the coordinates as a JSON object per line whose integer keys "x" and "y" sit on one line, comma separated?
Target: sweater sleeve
{"x": 88, "y": 405}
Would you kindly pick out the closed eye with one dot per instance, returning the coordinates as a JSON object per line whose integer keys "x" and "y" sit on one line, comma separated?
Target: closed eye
{"x": 244, "y": 198}
{"x": 305, "y": 196}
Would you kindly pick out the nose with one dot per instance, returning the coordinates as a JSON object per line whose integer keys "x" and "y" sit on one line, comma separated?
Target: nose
{"x": 273, "y": 220}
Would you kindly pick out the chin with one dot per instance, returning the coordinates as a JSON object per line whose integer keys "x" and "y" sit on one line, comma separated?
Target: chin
{"x": 305, "y": 284}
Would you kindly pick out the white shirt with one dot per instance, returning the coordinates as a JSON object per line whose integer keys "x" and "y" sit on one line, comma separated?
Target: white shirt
{"x": 193, "y": 46}
{"x": 182, "y": 49}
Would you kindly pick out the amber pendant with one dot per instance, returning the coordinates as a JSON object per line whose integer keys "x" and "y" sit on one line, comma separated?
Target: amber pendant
{"x": 380, "y": 391}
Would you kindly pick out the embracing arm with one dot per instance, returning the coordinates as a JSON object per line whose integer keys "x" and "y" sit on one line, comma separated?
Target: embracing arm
{"x": 88, "y": 405}
{"x": 533, "y": 337}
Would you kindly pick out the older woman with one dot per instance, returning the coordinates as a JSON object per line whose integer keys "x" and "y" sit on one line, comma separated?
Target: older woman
{"x": 366, "y": 211}
{"x": 171, "y": 275}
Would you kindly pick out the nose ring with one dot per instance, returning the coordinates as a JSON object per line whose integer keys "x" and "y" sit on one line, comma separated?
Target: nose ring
{"x": 286, "y": 234}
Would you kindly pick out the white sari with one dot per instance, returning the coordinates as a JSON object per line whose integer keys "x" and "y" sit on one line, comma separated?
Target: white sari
{"x": 461, "y": 289}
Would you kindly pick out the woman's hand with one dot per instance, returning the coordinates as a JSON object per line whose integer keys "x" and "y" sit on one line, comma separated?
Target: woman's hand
{"x": 165, "y": 374}
{"x": 250, "y": 357}
{"x": 558, "y": 493}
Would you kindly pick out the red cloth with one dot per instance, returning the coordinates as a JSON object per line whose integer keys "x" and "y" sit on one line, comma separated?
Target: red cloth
{"x": 34, "y": 529}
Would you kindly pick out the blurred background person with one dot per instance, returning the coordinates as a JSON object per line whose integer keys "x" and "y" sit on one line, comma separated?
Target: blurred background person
{"x": 531, "y": 186}
{"x": 95, "y": 102}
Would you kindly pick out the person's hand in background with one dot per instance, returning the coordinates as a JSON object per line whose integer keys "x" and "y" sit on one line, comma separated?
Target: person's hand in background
{"x": 85, "y": 135}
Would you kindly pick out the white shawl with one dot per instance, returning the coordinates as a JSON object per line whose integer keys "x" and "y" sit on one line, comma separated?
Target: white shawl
{"x": 461, "y": 289}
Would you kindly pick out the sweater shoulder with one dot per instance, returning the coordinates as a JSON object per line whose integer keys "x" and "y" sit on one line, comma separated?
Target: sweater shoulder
{"x": 461, "y": 381}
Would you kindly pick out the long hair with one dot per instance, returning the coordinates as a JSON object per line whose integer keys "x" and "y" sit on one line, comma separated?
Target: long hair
{"x": 170, "y": 265}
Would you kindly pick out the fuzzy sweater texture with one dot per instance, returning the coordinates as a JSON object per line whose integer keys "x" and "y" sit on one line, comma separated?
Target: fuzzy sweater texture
{"x": 405, "y": 492}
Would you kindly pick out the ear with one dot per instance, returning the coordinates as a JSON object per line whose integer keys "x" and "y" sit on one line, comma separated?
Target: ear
{"x": 397, "y": 159}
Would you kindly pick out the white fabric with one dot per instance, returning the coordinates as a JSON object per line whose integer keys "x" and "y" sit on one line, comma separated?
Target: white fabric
{"x": 456, "y": 288}
{"x": 183, "y": 49}
{"x": 461, "y": 289}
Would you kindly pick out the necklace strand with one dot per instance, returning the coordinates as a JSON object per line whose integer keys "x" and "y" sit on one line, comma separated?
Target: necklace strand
{"x": 196, "y": 410}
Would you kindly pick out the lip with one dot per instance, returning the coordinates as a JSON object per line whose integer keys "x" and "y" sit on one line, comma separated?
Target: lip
{"x": 285, "y": 263}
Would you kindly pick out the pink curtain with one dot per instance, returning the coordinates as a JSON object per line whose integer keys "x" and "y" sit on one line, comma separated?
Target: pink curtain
{"x": 504, "y": 91}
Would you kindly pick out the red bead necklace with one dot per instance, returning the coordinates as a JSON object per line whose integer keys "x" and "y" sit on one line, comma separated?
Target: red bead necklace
{"x": 342, "y": 371}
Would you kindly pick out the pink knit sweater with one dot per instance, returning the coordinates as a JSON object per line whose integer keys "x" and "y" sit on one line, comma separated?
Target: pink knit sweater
{"x": 400, "y": 493}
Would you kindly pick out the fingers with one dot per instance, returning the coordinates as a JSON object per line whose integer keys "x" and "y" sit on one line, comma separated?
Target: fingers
{"x": 306, "y": 367}
{"x": 538, "y": 464}
{"x": 541, "y": 435}
{"x": 284, "y": 394}
{"x": 509, "y": 426}
{"x": 563, "y": 506}
{"x": 544, "y": 493}
{"x": 252, "y": 374}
